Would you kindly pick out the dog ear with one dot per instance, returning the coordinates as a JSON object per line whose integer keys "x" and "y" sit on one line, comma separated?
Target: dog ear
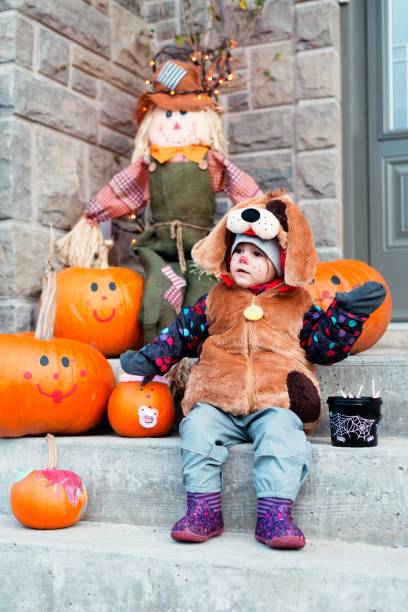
{"x": 301, "y": 256}
{"x": 209, "y": 252}
{"x": 278, "y": 208}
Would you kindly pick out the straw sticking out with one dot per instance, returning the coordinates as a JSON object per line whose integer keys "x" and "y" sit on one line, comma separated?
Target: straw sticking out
{"x": 84, "y": 246}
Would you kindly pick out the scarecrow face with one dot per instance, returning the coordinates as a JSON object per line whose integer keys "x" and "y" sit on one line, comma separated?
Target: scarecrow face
{"x": 176, "y": 128}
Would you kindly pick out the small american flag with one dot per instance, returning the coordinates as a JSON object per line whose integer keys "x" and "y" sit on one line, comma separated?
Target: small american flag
{"x": 170, "y": 75}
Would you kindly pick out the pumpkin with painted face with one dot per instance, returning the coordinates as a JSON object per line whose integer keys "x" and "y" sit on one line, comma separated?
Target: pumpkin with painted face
{"x": 141, "y": 411}
{"x": 100, "y": 307}
{"x": 49, "y": 498}
{"x": 344, "y": 275}
{"x": 57, "y": 385}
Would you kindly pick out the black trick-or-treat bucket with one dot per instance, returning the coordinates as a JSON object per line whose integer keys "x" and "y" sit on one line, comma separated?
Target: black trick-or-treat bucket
{"x": 353, "y": 420}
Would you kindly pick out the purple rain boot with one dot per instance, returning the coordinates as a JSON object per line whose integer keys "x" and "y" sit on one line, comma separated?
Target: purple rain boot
{"x": 203, "y": 519}
{"x": 275, "y": 527}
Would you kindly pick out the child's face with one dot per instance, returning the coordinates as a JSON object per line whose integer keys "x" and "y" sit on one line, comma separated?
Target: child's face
{"x": 250, "y": 266}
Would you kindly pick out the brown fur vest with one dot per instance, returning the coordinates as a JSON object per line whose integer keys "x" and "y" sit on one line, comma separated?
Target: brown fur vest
{"x": 246, "y": 366}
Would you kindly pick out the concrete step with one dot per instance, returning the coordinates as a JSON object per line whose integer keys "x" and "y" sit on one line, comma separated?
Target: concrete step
{"x": 395, "y": 338}
{"x": 390, "y": 373}
{"x": 351, "y": 494}
{"x": 95, "y": 567}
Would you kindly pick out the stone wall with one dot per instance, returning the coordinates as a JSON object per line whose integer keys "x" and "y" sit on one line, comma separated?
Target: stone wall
{"x": 283, "y": 116}
{"x": 70, "y": 73}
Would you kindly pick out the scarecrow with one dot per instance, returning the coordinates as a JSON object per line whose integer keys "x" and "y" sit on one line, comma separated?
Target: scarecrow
{"x": 178, "y": 166}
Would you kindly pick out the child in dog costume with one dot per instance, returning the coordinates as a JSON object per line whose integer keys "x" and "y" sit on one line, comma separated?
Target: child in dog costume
{"x": 254, "y": 380}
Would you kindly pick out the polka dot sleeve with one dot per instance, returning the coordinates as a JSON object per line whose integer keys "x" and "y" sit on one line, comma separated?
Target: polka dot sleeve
{"x": 328, "y": 337}
{"x": 180, "y": 339}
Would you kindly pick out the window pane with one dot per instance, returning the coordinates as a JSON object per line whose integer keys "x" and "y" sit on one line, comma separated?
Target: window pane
{"x": 398, "y": 54}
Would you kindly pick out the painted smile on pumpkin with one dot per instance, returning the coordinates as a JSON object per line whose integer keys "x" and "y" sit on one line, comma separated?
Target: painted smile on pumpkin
{"x": 98, "y": 318}
{"x": 57, "y": 396}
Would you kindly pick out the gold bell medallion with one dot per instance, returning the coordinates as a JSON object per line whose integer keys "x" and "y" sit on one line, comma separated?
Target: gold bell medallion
{"x": 253, "y": 313}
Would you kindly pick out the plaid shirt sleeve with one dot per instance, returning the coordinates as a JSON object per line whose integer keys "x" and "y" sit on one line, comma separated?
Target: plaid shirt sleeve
{"x": 225, "y": 176}
{"x": 126, "y": 192}
{"x": 328, "y": 337}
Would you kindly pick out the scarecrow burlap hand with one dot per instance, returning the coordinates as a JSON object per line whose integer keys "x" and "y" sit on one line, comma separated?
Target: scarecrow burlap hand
{"x": 362, "y": 300}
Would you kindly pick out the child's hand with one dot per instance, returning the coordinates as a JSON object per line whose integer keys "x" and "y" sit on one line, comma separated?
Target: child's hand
{"x": 135, "y": 362}
{"x": 362, "y": 300}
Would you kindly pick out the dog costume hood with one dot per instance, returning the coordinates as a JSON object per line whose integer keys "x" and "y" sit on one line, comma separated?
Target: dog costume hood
{"x": 273, "y": 215}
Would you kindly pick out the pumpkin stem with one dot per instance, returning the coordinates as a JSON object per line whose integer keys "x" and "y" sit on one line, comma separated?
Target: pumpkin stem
{"x": 52, "y": 452}
{"x": 44, "y": 329}
{"x": 84, "y": 246}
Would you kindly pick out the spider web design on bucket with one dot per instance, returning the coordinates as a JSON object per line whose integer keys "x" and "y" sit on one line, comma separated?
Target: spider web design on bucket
{"x": 342, "y": 426}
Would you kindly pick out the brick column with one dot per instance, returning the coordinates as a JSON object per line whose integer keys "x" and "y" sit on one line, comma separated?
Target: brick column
{"x": 318, "y": 122}
{"x": 70, "y": 73}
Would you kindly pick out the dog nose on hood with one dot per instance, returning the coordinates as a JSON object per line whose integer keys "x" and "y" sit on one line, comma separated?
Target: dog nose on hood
{"x": 250, "y": 215}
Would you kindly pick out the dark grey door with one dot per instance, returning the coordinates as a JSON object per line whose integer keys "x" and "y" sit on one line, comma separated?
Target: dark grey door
{"x": 387, "y": 105}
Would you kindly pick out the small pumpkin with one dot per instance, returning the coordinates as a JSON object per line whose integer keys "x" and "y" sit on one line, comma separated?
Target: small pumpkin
{"x": 141, "y": 411}
{"x": 100, "y": 307}
{"x": 345, "y": 275}
{"x": 49, "y": 498}
{"x": 50, "y": 384}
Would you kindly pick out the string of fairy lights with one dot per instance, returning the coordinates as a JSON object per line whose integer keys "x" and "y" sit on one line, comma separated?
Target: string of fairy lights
{"x": 215, "y": 66}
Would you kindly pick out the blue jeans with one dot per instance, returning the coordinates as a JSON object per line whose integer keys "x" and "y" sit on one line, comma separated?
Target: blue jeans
{"x": 282, "y": 454}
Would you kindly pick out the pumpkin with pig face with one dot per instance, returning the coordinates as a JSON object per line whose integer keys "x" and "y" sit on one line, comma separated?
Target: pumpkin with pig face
{"x": 137, "y": 410}
{"x": 100, "y": 307}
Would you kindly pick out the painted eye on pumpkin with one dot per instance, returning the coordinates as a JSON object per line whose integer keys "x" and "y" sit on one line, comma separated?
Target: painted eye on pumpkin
{"x": 65, "y": 361}
{"x": 94, "y": 286}
{"x": 112, "y": 286}
{"x": 335, "y": 280}
{"x": 44, "y": 361}
{"x": 168, "y": 114}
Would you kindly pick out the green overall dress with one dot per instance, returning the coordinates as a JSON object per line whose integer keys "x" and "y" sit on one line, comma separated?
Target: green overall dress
{"x": 179, "y": 191}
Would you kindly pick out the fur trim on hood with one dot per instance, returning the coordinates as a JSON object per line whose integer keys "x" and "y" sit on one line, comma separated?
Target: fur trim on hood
{"x": 271, "y": 215}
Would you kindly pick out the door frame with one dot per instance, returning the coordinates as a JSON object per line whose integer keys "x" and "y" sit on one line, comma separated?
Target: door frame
{"x": 353, "y": 25}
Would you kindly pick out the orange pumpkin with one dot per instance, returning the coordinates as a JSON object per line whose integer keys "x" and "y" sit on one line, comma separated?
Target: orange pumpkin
{"x": 345, "y": 275}
{"x": 60, "y": 386}
{"x": 49, "y": 498}
{"x": 100, "y": 307}
{"x": 141, "y": 411}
